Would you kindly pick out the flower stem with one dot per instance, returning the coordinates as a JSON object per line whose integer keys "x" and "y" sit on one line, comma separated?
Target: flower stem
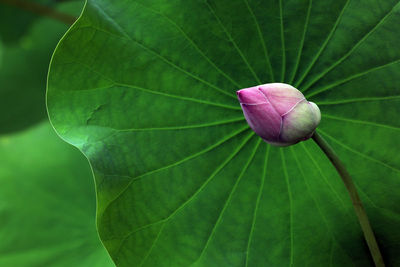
{"x": 355, "y": 198}
{"x": 40, "y": 9}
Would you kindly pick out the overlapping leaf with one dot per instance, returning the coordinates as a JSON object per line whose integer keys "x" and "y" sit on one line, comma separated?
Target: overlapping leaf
{"x": 24, "y": 64}
{"x": 47, "y": 203}
{"x": 147, "y": 90}
{"x": 15, "y": 22}
{"x": 47, "y": 199}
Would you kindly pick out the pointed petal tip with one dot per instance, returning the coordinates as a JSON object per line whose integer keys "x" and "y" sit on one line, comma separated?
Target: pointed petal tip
{"x": 239, "y": 94}
{"x": 250, "y": 96}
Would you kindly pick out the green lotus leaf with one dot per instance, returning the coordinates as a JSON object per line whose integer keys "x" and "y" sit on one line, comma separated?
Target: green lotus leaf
{"x": 146, "y": 89}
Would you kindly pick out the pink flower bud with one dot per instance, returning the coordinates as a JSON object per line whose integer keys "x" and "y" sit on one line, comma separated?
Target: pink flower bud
{"x": 279, "y": 113}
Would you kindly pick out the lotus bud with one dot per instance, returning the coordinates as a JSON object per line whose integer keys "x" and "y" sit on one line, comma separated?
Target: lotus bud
{"x": 279, "y": 113}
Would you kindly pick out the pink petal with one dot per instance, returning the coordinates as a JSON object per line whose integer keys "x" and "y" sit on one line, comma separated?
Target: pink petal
{"x": 282, "y": 96}
{"x": 264, "y": 120}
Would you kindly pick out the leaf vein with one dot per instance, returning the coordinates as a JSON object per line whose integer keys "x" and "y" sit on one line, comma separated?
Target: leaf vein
{"x": 213, "y": 146}
{"x": 289, "y": 191}
{"x": 282, "y": 42}
{"x": 325, "y": 43}
{"x": 316, "y": 164}
{"x": 362, "y": 122}
{"x": 228, "y": 200}
{"x": 172, "y": 22}
{"x": 179, "y": 97}
{"x": 318, "y": 207}
{"x": 365, "y": 37}
{"x": 302, "y": 42}
{"x": 355, "y": 100}
{"x": 232, "y": 41}
{"x": 163, "y": 58}
{"x": 181, "y": 206}
{"x": 260, "y": 35}
{"x": 193, "y": 126}
{"x": 116, "y": 83}
{"x": 257, "y": 205}
{"x": 359, "y": 153}
{"x": 352, "y": 77}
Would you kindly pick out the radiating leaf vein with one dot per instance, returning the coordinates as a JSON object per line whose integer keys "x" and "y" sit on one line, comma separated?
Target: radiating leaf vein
{"x": 359, "y": 153}
{"x": 116, "y": 83}
{"x": 352, "y": 77}
{"x": 325, "y": 43}
{"x": 315, "y": 163}
{"x": 318, "y": 208}
{"x": 171, "y": 128}
{"x": 337, "y": 62}
{"x": 213, "y": 146}
{"x": 208, "y": 180}
{"x": 261, "y": 37}
{"x": 186, "y": 36}
{"x": 300, "y": 50}
{"x": 355, "y": 100}
{"x": 232, "y": 41}
{"x": 282, "y": 42}
{"x": 182, "y": 127}
{"x": 256, "y": 205}
{"x": 164, "y": 59}
{"x": 361, "y": 122}
{"x": 289, "y": 192}
{"x": 228, "y": 200}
